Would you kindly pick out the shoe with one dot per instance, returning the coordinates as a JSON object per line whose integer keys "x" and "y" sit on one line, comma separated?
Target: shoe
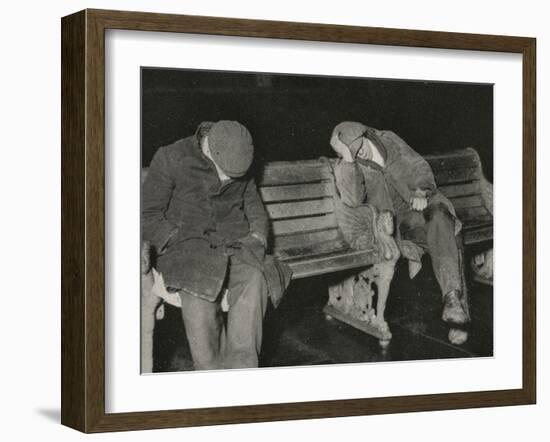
{"x": 457, "y": 336}
{"x": 452, "y": 308}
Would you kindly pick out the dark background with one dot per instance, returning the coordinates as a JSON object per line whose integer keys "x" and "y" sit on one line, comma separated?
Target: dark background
{"x": 291, "y": 117}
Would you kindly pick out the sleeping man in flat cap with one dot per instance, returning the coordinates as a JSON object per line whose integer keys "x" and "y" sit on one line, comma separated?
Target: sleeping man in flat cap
{"x": 379, "y": 168}
{"x": 202, "y": 214}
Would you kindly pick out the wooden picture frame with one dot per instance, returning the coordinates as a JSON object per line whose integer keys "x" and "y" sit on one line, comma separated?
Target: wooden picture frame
{"x": 83, "y": 220}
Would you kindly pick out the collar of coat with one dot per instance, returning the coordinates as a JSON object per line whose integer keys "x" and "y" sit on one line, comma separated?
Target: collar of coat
{"x": 370, "y": 163}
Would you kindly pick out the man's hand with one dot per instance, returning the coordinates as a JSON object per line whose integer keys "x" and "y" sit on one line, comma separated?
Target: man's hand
{"x": 341, "y": 149}
{"x": 260, "y": 238}
{"x": 419, "y": 200}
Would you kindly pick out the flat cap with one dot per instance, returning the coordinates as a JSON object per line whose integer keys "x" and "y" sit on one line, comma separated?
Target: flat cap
{"x": 231, "y": 147}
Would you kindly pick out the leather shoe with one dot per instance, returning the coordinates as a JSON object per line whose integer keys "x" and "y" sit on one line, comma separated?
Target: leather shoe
{"x": 452, "y": 308}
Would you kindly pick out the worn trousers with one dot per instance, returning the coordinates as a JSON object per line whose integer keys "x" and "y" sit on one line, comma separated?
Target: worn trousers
{"x": 236, "y": 344}
{"x": 433, "y": 230}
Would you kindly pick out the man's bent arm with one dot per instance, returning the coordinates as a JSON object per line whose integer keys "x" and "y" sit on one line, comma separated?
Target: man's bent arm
{"x": 419, "y": 171}
{"x": 156, "y": 194}
{"x": 255, "y": 212}
{"x": 423, "y": 176}
{"x": 350, "y": 183}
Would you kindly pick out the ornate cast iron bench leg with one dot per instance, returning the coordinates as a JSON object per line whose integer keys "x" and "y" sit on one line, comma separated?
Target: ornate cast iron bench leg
{"x": 351, "y": 300}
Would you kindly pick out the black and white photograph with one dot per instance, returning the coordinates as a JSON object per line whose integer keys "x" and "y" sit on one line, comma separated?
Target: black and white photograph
{"x": 298, "y": 220}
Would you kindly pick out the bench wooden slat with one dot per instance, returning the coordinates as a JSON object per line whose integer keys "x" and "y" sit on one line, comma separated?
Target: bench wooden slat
{"x": 313, "y": 249}
{"x": 288, "y": 226}
{"x": 449, "y": 176}
{"x": 297, "y": 174}
{"x": 339, "y": 261}
{"x": 478, "y": 223}
{"x": 300, "y": 208}
{"x": 465, "y": 160}
{"x": 454, "y": 190}
{"x": 467, "y": 213}
{"x": 478, "y": 235}
{"x": 451, "y": 154}
{"x": 301, "y": 239}
{"x": 467, "y": 201}
{"x": 318, "y": 162}
{"x": 296, "y": 192}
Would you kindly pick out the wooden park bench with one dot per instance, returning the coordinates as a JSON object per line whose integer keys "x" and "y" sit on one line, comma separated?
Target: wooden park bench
{"x": 459, "y": 176}
{"x": 302, "y": 206}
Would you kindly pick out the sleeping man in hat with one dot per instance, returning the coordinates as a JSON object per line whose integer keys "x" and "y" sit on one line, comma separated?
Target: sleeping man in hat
{"x": 202, "y": 214}
{"x": 379, "y": 168}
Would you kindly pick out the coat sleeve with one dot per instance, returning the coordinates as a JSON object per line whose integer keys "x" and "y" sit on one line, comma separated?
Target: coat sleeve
{"x": 415, "y": 166}
{"x": 156, "y": 194}
{"x": 255, "y": 211}
{"x": 350, "y": 183}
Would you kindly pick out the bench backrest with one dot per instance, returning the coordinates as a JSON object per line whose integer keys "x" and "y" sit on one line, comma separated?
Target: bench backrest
{"x": 298, "y": 197}
{"x": 459, "y": 176}
{"x": 299, "y": 200}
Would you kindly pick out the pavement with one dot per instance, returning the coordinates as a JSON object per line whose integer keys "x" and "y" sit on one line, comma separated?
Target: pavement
{"x": 298, "y": 332}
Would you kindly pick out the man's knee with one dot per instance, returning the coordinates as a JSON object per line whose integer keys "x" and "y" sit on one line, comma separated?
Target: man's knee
{"x": 206, "y": 360}
{"x": 248, "y": 285}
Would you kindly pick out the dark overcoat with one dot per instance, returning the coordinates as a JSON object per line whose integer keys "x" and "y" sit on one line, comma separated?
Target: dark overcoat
{"x": 196, "y": 223}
